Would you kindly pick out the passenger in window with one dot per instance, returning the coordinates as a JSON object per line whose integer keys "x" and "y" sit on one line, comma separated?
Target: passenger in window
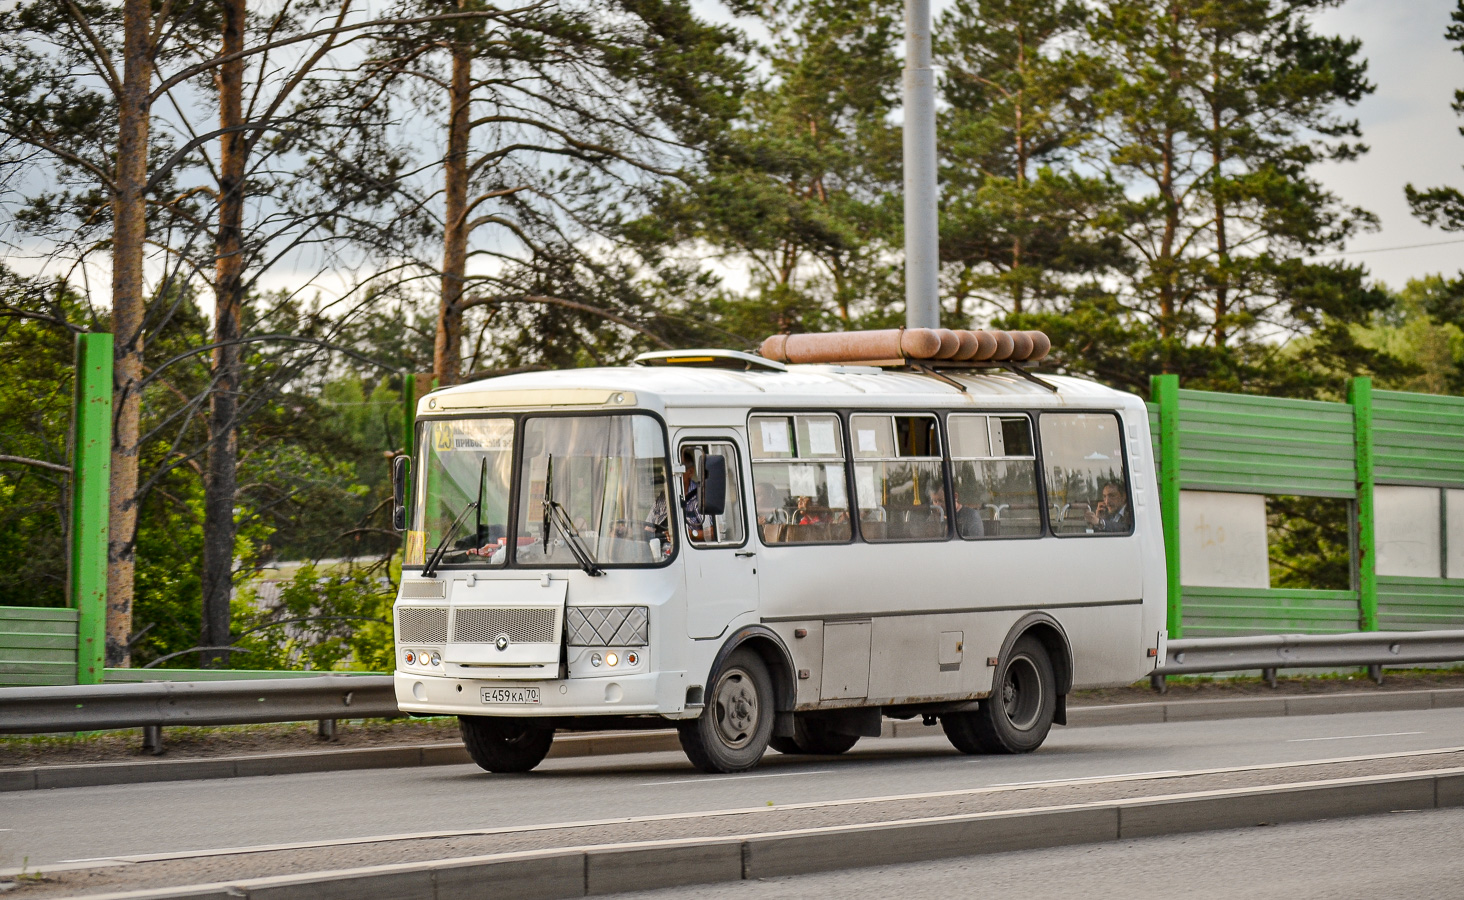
{"x": 770, "y": 509}
{"x": 808, "y": 514}
{"x": 1113, "y": 513}
{"x": 968, "y": 518}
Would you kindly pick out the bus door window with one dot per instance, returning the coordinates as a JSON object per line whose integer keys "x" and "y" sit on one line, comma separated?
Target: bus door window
{"x": 899, "y": 478}
{"x": 798, "y": 478}
{"x": 728, "y": 529}
{"x": 995, "y": 472}
{"x": 1087, "y": 487}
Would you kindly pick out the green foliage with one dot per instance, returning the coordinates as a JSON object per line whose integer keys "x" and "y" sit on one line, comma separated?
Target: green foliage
{"x": 1309, "y": 544}
{"x": 322, "y": 620}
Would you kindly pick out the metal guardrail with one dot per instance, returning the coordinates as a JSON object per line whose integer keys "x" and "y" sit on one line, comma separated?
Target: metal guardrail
{"x": 1312, "y": 651}
{"x": 34, "y": 710}
{"x": 37, "y": 710}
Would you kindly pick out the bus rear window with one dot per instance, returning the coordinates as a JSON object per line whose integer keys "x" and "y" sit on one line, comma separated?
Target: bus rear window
{"x": 1087, "y": 487}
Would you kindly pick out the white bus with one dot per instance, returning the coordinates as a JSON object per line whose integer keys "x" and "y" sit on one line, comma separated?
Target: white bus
{"x": 773, "y": 555}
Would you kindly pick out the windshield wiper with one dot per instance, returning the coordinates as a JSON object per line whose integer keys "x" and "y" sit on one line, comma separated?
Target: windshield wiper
{"x": 430, "y": 570}
{"x": 555, "y": 514}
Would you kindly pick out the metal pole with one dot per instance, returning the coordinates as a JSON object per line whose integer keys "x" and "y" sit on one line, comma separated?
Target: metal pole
{"x": 91, "y": 467}
{"x": 922, "y": 235}
{"x": 1359, "y": 394}
{"x": 1165, "y": 392}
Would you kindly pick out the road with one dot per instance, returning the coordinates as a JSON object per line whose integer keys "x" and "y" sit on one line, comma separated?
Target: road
{"x": 48, "y": 827}
{"x": 1414, "y": 855}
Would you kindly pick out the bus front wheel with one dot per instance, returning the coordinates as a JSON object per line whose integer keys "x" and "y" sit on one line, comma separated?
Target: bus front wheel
{"x": 1018, "y": 714}
{"x": 505, "y": 745}
{"x": 733, "y": 730}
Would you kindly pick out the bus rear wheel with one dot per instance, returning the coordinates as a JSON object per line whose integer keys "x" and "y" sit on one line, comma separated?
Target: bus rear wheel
{"x": 505, "y": 745}
{"x": 814, "y": 735}
{"x": 734, "y": 729}
{"x": 1018, "y": 714}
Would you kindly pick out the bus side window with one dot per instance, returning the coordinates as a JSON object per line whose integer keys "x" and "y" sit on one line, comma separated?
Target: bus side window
{"x": 995, "y": 475}
{"x": 1087, "y": 487}
{"x": 798, "y": 478}
{"x": 728, "y": 529}
{"x": 899, "y": 478}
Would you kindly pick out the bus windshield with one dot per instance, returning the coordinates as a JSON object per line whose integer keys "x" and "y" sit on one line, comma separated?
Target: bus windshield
{"x": 605, "y": 478}
{"x": 462, "y": 492}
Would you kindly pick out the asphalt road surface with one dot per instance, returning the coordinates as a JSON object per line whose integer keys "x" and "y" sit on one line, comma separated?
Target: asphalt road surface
{"x": 38, "y": 828}
{"x": 1415, "y": 855}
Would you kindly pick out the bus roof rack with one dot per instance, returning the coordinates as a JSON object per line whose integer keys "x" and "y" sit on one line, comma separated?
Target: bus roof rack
{"x": 710, "y": 359}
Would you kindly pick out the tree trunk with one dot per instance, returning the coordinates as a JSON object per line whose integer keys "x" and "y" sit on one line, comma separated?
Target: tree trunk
{"x": 129, "y": 233}
{"x": 447, "y": 350}
{"x": 1222, "y": 247}
{"x": 221, "y": 482}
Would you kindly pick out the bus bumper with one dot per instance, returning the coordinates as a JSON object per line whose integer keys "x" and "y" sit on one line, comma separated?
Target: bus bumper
{"x": 653, "y": 693}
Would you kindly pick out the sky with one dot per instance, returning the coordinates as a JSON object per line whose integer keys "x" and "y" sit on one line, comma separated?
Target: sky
{"x": 1413, "y": 133}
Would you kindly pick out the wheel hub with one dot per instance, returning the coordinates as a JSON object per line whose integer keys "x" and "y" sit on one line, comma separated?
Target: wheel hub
{"x": 736, "y": 708}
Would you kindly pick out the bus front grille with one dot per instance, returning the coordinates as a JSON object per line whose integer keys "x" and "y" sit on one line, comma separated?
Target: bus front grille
{"x": 421, "y": 625}
{"x": 523, "y": 626}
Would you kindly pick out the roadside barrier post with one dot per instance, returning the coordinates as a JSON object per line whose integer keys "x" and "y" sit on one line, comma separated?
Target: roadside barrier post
{"x": 91, "y": 466}
{"x": 1164, "y": 390}
{"x": 1359, "y": 395}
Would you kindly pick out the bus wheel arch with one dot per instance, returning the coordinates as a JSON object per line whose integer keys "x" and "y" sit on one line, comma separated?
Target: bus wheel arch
{"x": 774, "y": 653}
{"x": 1053, "y": 637}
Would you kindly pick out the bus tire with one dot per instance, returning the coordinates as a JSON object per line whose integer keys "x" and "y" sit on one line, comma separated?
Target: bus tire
{"x": 735, "y": 728}
{"x": 1018, "y": 714}
{"x": 505, "y": 745}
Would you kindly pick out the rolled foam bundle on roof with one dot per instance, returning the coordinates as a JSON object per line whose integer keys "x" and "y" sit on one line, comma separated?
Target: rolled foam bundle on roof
{"x": 1003, "y": 346}
{"x": 1021, "y": 345}
{"x": 969, "y": 345}
{"x": 987, "y": 346}
{"x": 1041, "y": 346}
{"x": 852, "y": 346}
{"x": 950, "y": 343}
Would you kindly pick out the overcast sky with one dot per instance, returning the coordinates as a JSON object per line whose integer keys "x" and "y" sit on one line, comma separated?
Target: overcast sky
{"x": 1413, "y": 133}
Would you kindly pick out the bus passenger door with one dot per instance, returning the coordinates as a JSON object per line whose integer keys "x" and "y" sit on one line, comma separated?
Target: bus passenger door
{"x": 720, "y": 558}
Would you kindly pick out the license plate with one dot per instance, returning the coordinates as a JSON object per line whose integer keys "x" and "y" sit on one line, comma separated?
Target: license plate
{"x": 511, "y": 695}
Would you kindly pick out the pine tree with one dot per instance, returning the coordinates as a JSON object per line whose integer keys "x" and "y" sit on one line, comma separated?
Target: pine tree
{"x": 804, "y": 193}
{"x": 1018, "y": 215}
{"x": 1213, "y": 116}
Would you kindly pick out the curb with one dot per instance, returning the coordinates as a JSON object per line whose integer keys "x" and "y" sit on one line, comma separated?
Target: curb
{"x": 613, "y": 743}
{"x": 605, "y": 869}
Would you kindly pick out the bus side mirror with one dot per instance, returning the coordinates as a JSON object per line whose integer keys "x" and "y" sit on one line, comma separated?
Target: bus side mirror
{"x": 714, "y": 485}
{"x": 400, "y": 467}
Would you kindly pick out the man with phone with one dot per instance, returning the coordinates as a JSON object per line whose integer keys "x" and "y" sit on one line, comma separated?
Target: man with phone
{"x": 1113, "y": 513}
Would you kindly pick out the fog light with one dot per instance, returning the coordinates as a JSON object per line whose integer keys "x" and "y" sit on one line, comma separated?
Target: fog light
{"x": 437, "y": 659}
{"x": 410, "y": 657}
{"x": 611, "y": 659}
{"x": 595, "y": 660}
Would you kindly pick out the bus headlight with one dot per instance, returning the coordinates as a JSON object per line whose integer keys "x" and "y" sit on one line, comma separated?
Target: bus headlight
{"x": 611, "y": 659}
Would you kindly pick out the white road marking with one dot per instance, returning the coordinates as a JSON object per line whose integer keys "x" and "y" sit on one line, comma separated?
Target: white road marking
{"x": 705, "y": 780}
{"x": 671, "y": 817}
{"x": 1348, "y": 737}
{"x": 1082, "y": 780}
